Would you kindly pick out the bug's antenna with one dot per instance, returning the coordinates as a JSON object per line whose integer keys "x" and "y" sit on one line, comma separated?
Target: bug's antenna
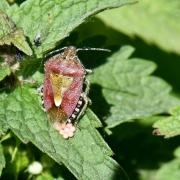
{"x": 92, "y": 49}
{"x": 54, "y": 52}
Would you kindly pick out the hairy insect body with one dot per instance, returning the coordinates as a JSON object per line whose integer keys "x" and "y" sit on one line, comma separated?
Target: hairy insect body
{"x": 63, "y": 96}
{"x": 63, "y": 83}
{"x": 65, "y": 88}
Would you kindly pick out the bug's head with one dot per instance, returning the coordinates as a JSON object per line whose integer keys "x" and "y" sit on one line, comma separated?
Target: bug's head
{"x": 70, "y": 52}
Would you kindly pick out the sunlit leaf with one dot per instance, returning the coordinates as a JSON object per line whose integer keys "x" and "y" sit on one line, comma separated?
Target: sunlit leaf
{"x": 4, "y": 71}
{"x": 169, "y": 126}
{"x": 2, "y": 160}
{"x": 10, "y": 34}
{"x": 130, "y": 89}
{"x": 86, "y": 155}
{"x": 153, "y": 21}
{"x": 170, "y": 170}
{"x": 54, "y": 20}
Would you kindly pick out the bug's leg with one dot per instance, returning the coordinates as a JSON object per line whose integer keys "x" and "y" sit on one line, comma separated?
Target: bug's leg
{"x": 55, "y": 52}
{"x": 86, "y": 100}
{"x": 88, "y": 71}
{"x": 81, "y": 105}
{"x": 86, "y": 91}
{"x": 40, "y": 91}
{"x": 84, "y": 107}
{"x": 80, "y": 109}
{"x": 87, "y": 87}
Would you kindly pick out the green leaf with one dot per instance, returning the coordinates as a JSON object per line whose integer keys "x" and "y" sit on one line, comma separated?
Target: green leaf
{"x": 86, "y": 155}
{"x": 3, "y": 124}
{"x": 169, "y": 126}
{"x": 10, "y": 34}
{"x": 2, "y": 160}
{"x": 45, "y": 176}
{"x": 54, "y": 20}
{"x": 38, "y": 77}
{"x": 170, "y": 170}
{"x": 4, "y": 5}
{"x": 21, "y": 161}
{"x": 130, "y": 89}
{"x": 4, "y": 71}
{"x": 142, "y": 20}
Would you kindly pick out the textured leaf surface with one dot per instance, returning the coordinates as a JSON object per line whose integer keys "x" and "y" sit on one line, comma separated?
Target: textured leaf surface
{"x": 10, "y": 34}
{"x": 2, "y": 160}
{"x": 86, "y": 155}
{"x": 128, "y": 86}
{"x": 3, "y": 125}
{"x": 169, "y": 126}
{"x": 143, "y": 18}
{"x": 4, "y": 5}
{"x": 4, "y": 71}
{"x": 54, "y": 20}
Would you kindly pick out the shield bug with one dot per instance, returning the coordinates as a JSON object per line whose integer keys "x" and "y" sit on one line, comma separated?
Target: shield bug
{"x": 65, "y": 89}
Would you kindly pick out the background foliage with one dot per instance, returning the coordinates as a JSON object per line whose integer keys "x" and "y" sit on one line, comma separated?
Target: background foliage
{"x": 134, "y": 89}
